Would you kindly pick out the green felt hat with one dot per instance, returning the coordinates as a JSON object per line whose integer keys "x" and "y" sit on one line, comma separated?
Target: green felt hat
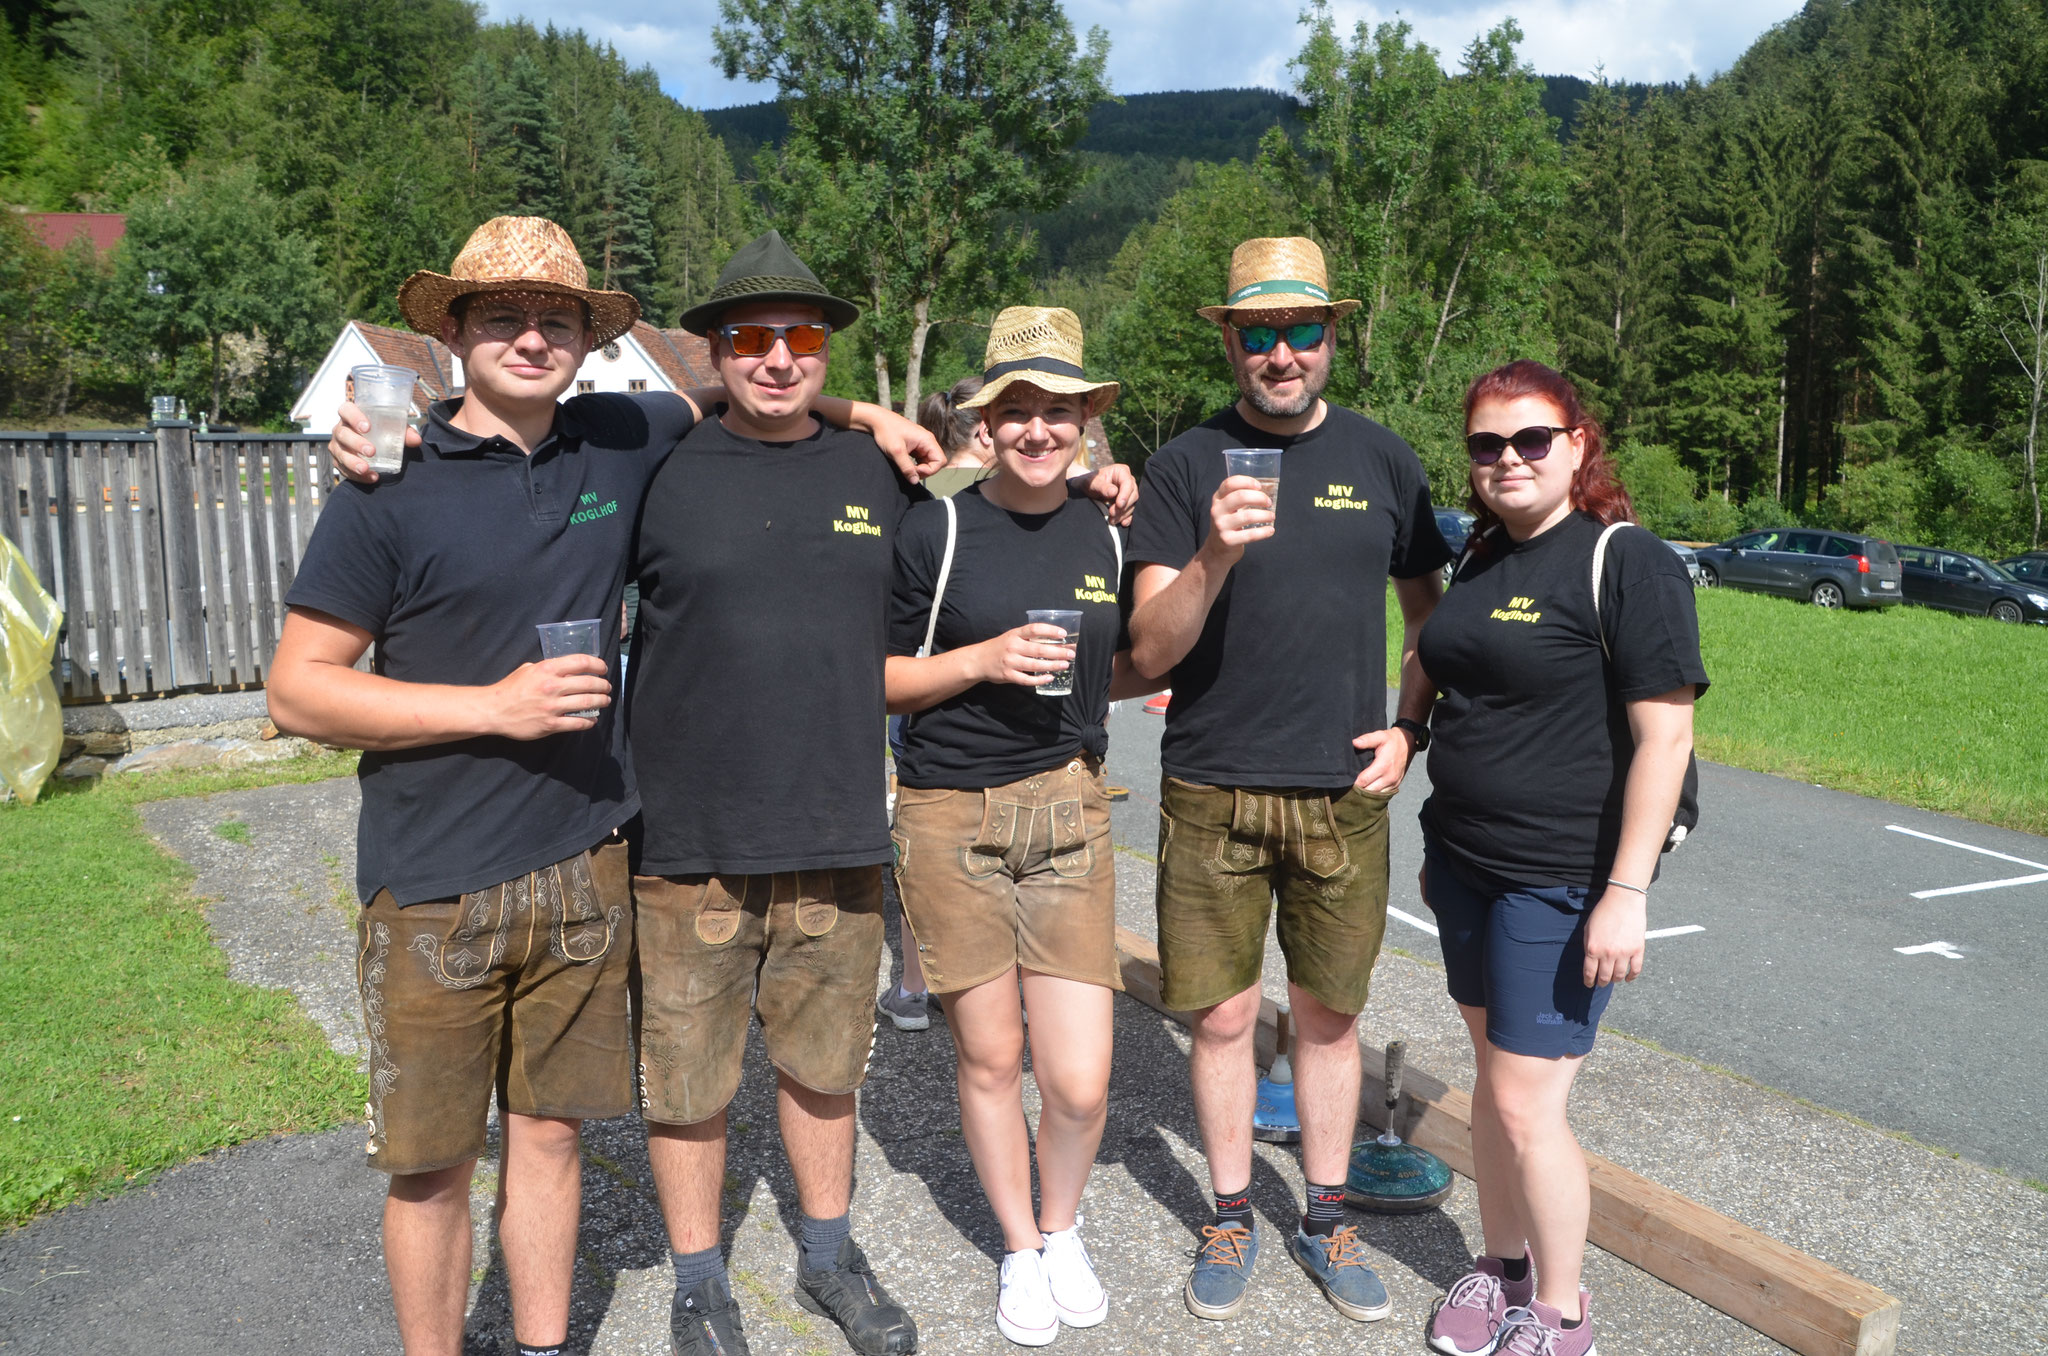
{"x": 767, "y": 269}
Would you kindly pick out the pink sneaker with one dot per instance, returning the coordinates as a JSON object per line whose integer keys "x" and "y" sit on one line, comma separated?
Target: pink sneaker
{"x": 1468, "y": 1321}
{"x": 1539, "y": 1330}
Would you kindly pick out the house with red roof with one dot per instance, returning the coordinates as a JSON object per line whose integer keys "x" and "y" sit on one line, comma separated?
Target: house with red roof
{"x": 59, "y": 229}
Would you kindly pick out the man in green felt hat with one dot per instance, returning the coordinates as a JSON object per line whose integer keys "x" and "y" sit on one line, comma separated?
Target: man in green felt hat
{"x": 765, "y": 561}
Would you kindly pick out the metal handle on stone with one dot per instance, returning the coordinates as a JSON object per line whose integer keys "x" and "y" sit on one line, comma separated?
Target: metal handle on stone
{"x": 1396, "y": 1053}
{"x": 1279, "y": 1032}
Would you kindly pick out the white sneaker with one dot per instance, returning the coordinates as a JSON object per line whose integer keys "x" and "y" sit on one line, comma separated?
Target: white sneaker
{"x": 1024, "y": 1308}
{"x": 1076, "y": 1294}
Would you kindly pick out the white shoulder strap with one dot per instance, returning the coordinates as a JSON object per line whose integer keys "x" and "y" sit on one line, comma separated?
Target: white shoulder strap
{"x": 1471, "y": 549}
{"x": 931, "y": 627}
{"x": 1599, "y": 567}
{"x": 1117, "y": 544}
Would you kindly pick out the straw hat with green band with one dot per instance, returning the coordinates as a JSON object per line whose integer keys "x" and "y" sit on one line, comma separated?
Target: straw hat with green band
{"x": 1039, "y": 346}
{"x": 1277, "y": 274}
{"x": 767, "y": 269}
{"x": 515, "y": 254}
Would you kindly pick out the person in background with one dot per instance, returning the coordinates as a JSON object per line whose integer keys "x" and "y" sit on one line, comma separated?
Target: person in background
{"x": 948, "y": 416}
{"x": 1561, "y": 741}
{"x": 1003, "y": 854}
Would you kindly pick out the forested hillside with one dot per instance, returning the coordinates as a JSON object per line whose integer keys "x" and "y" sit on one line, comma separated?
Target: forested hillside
{"x": 286, "y": 163}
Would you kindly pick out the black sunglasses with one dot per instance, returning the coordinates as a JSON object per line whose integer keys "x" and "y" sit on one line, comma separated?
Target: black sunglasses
{"x": 1301, "y": 338}
{"x": 1530, "y": 444}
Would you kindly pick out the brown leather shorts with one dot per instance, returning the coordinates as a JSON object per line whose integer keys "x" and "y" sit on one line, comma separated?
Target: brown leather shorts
{"x": 517, "y": 990}
{"x": 1226, "y": 854}
{"x": 1012, "y": 875}
{"x": 800, "y": 948}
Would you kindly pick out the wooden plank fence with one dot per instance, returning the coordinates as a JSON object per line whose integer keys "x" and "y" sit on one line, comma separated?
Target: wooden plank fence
{"x": 170, "y": 553}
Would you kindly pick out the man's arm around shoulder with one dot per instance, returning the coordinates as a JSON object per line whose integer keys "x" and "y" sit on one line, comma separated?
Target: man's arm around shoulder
{"x": 316, "y": 691}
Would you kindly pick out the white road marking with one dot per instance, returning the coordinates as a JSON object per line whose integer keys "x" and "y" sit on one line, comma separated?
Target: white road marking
{"x": 1980, "y": 885}
{"x": 1934, "y": 948}
{"x": 1412, "y": 921}
{"x": 1983, "y": 852}
{"x": 1968, "y": 847}
{"x": 1672, "y": 932}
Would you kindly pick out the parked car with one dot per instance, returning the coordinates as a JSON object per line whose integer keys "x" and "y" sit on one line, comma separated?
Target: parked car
{"x": 1456, "y": 526}
{"x": 1833, "y": 569}
{"x": 1689, "y": 557}
{"x": 1965, "y": 583}
{"x": 2031, "y": 566}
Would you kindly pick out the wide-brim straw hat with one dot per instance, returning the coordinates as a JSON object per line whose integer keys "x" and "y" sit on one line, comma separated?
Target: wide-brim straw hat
{"x": 767, "y": 269}
{"x": 515, "y": 254}
{"x": 1040, "y": 346}
{"x": 1277, "y": 273}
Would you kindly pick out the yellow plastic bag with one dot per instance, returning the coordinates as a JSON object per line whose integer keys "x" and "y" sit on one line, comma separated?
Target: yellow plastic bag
{"x": 31, "y": 722}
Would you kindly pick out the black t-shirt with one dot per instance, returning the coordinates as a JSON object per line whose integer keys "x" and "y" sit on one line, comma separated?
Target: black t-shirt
{"x": 450, "y": 567}
{"x": 1005, "y": 564}
{"x": 1291, "y": 664}
{"x": 1530, "y": 740}
{"x": 756, "y": 709}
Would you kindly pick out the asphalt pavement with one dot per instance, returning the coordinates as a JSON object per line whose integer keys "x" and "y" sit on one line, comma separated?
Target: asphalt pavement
{"x": 1803, "y": 899}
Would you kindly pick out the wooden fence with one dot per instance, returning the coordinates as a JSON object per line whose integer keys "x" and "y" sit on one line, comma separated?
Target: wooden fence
{"x": 170, "y": 553}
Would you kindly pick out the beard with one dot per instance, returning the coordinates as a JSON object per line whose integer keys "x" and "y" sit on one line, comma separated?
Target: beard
{"x": 1312, "y": 384}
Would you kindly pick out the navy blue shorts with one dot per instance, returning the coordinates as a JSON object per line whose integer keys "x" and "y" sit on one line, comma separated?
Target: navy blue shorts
{"x": 1521, "y": 955}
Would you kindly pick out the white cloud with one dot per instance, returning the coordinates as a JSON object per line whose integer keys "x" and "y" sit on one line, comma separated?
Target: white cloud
{"x": 1208, "y": 44}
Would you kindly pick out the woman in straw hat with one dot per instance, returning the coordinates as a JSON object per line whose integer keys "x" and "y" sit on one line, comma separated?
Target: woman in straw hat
{"x": 1002, "y": 826}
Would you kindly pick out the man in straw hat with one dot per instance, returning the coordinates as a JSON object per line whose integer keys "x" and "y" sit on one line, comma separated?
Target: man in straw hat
{"x": 1278, "y": 768}
{"x": 497, "y": 929}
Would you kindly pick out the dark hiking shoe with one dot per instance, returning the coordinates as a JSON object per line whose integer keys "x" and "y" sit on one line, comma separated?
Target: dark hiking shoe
{"x": 706, "y": 1322}
{"x": 850, "y": 1296}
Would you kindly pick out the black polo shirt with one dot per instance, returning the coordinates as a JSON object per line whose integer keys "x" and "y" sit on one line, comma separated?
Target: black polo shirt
{"x": 1291, "y": 663}
{"x": 756, "y": 710}
{"x": 450, "y": 567}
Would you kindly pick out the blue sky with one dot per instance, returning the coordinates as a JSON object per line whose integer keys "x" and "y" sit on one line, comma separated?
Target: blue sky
{"x": 1207, "y": 44}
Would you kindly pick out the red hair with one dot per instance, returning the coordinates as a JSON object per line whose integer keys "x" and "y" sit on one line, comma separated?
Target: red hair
{"x": 1596, "y": 490}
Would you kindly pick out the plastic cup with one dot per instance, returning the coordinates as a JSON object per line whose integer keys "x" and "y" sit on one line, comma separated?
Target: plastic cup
{"x": 1061, "y": 684}
{"x": 384, "y": 395}
{"x": 163, "y": 409}
{"x": 1261, "y": 464}
{"x": 571, "y": 637}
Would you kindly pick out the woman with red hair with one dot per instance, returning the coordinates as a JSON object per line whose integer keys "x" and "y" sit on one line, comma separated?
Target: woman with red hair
{"x": 1559, "y": 747}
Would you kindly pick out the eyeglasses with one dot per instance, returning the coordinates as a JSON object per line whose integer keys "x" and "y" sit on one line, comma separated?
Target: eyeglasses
{"x": 1261, "y": 338}
{"x": 507, "y": 325}
{"x": 755, "y": 341}
{"x": 1530, "y": 444}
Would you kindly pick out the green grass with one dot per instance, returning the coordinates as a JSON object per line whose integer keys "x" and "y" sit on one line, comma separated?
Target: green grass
{"x": 1910, "y": 705}
{"x": 127, "y": 1048}
{"x": 234, "y": 830}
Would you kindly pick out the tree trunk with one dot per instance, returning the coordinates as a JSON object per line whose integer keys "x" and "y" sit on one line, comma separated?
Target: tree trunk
{"x": 1443, "y": 322}
{"x": 881, "y": 353}
{"x": 2040, "y": 327}
{"x": 1784, "y": 360}
{"x": 913, "y": 370}
{"x": 214, "y": 416}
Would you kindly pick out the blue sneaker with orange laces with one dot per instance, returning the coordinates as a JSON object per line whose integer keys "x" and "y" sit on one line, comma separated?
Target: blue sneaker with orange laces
{"x": 1336, "y": 1263}
{"x": 1223, "y": 1270}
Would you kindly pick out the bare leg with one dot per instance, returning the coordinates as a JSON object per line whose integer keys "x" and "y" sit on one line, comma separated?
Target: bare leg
{"x": 988, "y": 1038}
{"x": 426, "y": 1252}
{"x": 1326, "y": 1081}
{"x": 1225, "y": 1077}
{"x": 913, "y": 967}
{"x": 817, "y": 1134}
{"x": 1500, "y": 1213}
{"x": 1549, "y": 1181}
{"x": 1072, "y": 1032}
{"x": 689, "y": 1176}
{"x": 540, "y": 1197}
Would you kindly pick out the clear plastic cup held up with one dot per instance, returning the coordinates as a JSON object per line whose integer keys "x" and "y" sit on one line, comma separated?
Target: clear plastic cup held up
{"x": 1261, "y": 464}
{"x": 1068, "y": 620}
{"x": 384, "y": 395}
{"x": 571, "y": 637}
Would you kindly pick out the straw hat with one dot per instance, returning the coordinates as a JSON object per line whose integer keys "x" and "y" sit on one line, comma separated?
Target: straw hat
{"x": 1277, "y": 274}
{"x": 1041, "y": 346}
{"x": 767, "y": 269}
{"x": 524, "y": 254}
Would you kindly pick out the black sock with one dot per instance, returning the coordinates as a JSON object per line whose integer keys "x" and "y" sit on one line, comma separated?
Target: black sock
{"x": 550, "y": 1349}
{"x": 1325, "y": 1209}
{"x": 1569, "y": 1323}
{"x": 821, "y": 1239}
{"x": 1517, "y": 1270}
{"x": 1234, "y": 1210}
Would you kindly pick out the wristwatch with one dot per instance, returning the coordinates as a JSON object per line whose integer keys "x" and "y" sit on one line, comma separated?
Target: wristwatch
{"x": 1416, "y": 730}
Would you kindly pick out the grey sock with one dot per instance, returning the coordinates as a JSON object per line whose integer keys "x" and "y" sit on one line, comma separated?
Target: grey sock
{"x": 695, "y": 1268}
{"x": 821, "y": 1240}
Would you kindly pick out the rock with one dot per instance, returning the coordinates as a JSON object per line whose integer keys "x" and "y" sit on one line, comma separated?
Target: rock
{"x": 201, "y": 753}
{"x": 103, "y": 743}
{"x": 82, "y": 768}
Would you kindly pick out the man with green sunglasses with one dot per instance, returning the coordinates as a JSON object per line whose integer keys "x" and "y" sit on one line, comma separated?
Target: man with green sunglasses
{"x": 1278, "y": 766}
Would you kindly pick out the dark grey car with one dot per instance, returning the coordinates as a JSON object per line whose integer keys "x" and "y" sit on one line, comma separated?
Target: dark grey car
{"x": 1833, "y": 569}
{"x": 1966, "y": 583}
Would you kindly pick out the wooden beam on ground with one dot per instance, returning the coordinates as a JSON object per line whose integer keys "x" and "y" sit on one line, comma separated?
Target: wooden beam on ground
{"x": 1812, "y": 1307}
